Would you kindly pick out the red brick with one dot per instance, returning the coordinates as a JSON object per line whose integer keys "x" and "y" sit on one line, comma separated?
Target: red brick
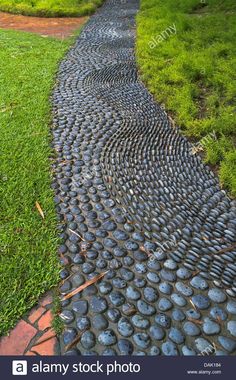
{"x": 47, "y": 300}
{"x": 49, "y": 334}
{"x": 18, "y": 340}
{"x": 46, "y": 348}
{"x": 35, "y": 314}
{"x": 45, "y": 321}
{"x": 29, "y": 353}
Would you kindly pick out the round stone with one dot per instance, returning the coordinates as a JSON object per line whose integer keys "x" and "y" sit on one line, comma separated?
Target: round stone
{"x": 201, "y": 302}
{"x": 67, "y": 316}
{"x": 80, "y": 307}
{"x": 88, "y": 339}
{"x": 164, "y": 304}
{"x": 78, "y": 280}
{"x": 105, "y": 287}
{"x": 169, "y": 349}
{"x": 88, "y": 268}
{"x": 140, "y": 256}
{"x": 132, "y": 293}
{"x": 218, "y": 313}
{"x": 157, "y": 332}
{"x": 183, "y": 289}
{"x": 188, "y": 351}
{"x": 109, "y": 225}
{"x": 199, "y": 283}
{"x": 178, "y": 315}
{"x": 99, "y": 322}
{"x": 117, "y": 298}
{"x": 163, "y": 320}
{"x": 231, "y": 307}
{"x": 91, "y": 289}
{"x": 119, "y": 283}
{"x": 98, "y": 304}
{"x": 126, "y": 274}
{"x": 150, "y": 294}
{"x": 193, "y": 314}
{"x": 176, "y": 335}
{"x": 113, "y": 315}
{"x": 124, "y": 327}
{"x": 109, "y": 352}
{"x": 170, "y": 264}
{"x": 120, "y": 235}
{"x": 131, "y": 245}
{"x": 140, "y": 322}
{"x": 145, "y": 309}
{"x": 107, "y": 338}
{"x": 168, "y": 275}
{"x": 210, "y": 328}
{"x": 69, "y": 335}
{"x": 217, "y": 295}
{"x": 154, "y": 350}
{"x": 140, "y": 268}
{"x": 183, "y": 273}
{"x": 82, "y": 323}
{"x": 140, "y": 282}
{"x": 165, "y": 288}
{"x": 191, "y": 329}
{"x": 227, "y": 343}
{"x": 178, "y": 299}
{"x": 153, "y": 277}
{"x": 125, "y": 347}
{"x": 231, "y": 326}
{"x": 142, "y": 340}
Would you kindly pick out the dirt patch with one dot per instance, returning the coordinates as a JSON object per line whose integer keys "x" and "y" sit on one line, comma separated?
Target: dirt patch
{"x": 54, "y": 27}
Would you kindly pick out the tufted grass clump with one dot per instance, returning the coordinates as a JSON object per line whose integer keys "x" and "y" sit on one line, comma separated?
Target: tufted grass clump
{"x": 50, "y": 8}
{"x": 192, "y": 72}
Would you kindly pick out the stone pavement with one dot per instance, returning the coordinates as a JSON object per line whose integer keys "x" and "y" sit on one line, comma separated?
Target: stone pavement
{"x": 141, "y": 217}
{"x": 137, "y": 207}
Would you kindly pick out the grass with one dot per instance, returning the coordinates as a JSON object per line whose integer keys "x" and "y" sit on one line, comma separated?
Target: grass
{"x": 28, "y": 243}
{"x": 50, "y": 8}
{"x": 192, "y": 72}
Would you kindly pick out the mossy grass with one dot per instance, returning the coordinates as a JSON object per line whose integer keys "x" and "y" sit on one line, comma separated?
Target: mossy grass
{"x": 192, "y": 72}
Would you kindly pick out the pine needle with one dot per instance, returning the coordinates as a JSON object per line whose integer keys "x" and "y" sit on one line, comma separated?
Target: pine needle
{"x": 75, "y": 341}
{"x": 84, "y": 286}
{"x": 197, "y": 321}
{"x": 39, "y": 209}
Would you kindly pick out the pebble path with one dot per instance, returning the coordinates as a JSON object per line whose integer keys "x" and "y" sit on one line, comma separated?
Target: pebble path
{"x": 135, "y": 201}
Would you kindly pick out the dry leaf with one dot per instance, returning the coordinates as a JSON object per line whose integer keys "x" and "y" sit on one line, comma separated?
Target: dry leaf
{"x": 226, "y": 249}
{"x": 39, "y": 209}
{"x": 219, "y": 320}
{"x": 84, "y": 286}
{"x": 131, "y": 312}
{"x": 76, "y": 340}
{"x": 195, "y": 273}
{"x": 193, "y": 304}
{"x": 76, "y": 233}
{"x": 197, "y": 321}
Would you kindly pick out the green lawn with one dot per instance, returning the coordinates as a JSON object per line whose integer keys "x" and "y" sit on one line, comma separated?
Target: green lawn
{"x": 50, "y": 8}
{"x": 28, "y": 243}
{"x": 193, "y": 71}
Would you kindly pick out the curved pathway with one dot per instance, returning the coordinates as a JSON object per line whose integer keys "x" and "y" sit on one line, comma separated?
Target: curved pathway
{"x": 136, "y": 205}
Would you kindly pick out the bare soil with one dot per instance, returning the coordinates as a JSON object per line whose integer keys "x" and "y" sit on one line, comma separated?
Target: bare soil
{"x": 54, "y": 27}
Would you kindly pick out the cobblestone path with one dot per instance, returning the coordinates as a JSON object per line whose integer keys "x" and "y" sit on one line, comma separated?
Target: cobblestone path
{"x": 137, "y": 206}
